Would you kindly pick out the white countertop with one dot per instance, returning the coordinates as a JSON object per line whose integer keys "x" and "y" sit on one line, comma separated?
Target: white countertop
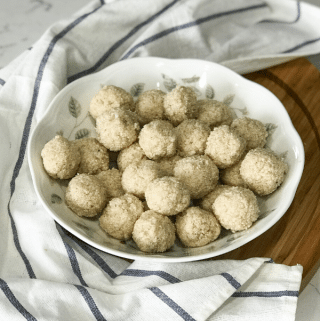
{"x": 23, "y": 22}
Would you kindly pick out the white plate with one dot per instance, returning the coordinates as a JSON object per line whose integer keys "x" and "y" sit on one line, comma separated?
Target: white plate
{"x": 68, "y": 115}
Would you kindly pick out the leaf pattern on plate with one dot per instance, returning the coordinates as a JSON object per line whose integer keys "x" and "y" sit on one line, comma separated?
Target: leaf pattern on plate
{"x": 56, "y": 199}
{"x": 228, "y": 99}
{"x": 271, "y": 128}
{"x": 243, "y": 111}
{"x": 137, "y": 89}
{"x": 191, "y": 80}
{"x": 82, "y": 133}
{"x": 168, "y": 82}
{"x": 74, "y": 107}
{"x": 60, "y": 132}
{"x": 209, "y": 92}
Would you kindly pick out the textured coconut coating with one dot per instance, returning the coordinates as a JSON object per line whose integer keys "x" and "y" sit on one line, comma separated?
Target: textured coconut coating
{"x": 263, "y": 171}
{"x": 207, "y": 201}
{"x": 149, "y": 105}
{"x": 86, "y": 195}
{"x": 231, "y": 175}
{"x": 236, "y": 208}
{"x": 153, "y": 232}
{"x": 61, "y": 158}
{"x": 192, "y": 137}
{"x": 224, "y": 146}
{"x": 167, "y": 195}
{"x": 117, "y": 128}
{"x": 110, "y": 97}
{"x": 158, "y": 139}
{"x": 167, "y": 164}
{"x": 198, "y": 173}
{"x": 132, "y": 154}
{"x": 252, "y": 130}
{"x": 120, "y": 215}
{"x": 94, "y": 156}
{"x": 214, "y": 113}
{"x": 197, "y": 227}
{"x": 136, "y": 177}
{"x": 111, "y": 179}
{"x": 180, "y": 104}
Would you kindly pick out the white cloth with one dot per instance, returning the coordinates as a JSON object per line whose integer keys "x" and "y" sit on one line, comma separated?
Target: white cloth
{"x": 48, "y": 274}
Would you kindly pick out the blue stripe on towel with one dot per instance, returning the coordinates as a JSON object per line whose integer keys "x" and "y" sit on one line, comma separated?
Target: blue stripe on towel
{"x": 13, "y": 300}
{"x": 74, "y": 263}
{"x": 301, "y": 45}
{"x": 26, "y": 133}
{"x": 97, "y": 258}
{"x": 231, "y": 280}
{"x": 2, "y": 82}
{"x": 143, "y": 273}
{"x": 286, "y": 22}
{"x": 72, "y": 258}
{"x": 17, "y": 243}
{"x": 173, "y": 305}
{"x": 119, "y": 43}
{"x": 91, "y": 304}
{"x": 189, "y": 25}
{"x": 265, "y": 294}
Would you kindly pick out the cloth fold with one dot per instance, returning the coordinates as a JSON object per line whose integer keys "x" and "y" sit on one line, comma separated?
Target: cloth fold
{"x": 48, "y": 274}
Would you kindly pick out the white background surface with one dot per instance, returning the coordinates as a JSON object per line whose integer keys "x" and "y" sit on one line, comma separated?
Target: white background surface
{"x": 23, "y": 22}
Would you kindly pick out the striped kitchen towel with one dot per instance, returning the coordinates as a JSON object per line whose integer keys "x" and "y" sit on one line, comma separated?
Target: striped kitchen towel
{"x": 48, "y": 274}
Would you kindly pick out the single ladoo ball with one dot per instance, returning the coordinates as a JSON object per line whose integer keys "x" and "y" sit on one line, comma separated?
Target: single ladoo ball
{"x": 214, "y": 113}
{"x": 110, "y": 97}
{"x": 236, "y": 208}
{"x": 167, "y": 196}
{"x": 61, "y": 158}
{"x": 94, "y": 156}
{"x": 198, "y": 173}
{"x": 180, "y": 104}
{"x": 192, "y": 137}
{"x": 224, "y": 146}
{"x": 149, "y": 105}
{"x": 197, "y": 227}
{"x": 86, "y": 195}
{"x": 117, "y": 128}
{"x": 154, "y": 232}
{"x": 120, "y": 215}
{"x": 263, "y": 171}
{"x": 158, "y": 139}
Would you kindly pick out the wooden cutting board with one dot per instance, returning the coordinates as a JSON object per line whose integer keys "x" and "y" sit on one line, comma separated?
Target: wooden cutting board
{"x": 295, "y": 238}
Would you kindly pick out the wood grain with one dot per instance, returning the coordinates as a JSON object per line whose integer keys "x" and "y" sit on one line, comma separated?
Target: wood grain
{"x": 295, "y": 238}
